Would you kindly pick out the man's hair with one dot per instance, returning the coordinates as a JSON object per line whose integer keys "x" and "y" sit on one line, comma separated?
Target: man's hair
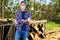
{"x": 23, "y": 2}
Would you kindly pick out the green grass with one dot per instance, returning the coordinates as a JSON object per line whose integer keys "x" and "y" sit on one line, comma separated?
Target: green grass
{"x": 51, "y": 25}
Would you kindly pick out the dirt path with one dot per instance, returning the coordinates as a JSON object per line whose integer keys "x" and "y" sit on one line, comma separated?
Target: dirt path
{"x": 53, "y": 35}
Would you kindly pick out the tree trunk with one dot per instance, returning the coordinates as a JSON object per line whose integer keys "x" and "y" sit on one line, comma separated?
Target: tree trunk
{"x": 2, "y": 9}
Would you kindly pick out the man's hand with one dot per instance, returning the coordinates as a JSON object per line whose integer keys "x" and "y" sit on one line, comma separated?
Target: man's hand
{"x": 25, "y": 21}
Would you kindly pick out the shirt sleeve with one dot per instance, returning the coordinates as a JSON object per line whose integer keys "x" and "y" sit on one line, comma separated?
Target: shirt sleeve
{"x": 18, "y": 19}
{"x": 29, "y": 16}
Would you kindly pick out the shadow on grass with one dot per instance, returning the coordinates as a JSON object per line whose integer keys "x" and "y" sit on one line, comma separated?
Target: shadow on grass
{"x": 56, "y": 21}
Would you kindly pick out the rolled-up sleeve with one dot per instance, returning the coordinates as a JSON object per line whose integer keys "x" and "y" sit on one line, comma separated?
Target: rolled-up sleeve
{"x": 18, "y": 19}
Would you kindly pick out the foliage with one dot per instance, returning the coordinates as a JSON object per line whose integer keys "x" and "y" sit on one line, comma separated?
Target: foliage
{"x": 50, "y": 11}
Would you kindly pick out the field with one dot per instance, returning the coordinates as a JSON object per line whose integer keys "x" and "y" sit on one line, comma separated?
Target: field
{"x": 52, "y": 25}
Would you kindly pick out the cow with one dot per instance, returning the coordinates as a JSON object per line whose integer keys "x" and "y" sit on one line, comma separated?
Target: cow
{"x": 36, "y": 32}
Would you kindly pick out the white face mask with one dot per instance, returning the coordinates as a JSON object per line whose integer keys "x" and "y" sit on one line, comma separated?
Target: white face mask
{"x": 23, "y": 7}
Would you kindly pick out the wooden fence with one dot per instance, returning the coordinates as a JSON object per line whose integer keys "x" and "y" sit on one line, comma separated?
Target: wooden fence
{"x": 7, "y": 30}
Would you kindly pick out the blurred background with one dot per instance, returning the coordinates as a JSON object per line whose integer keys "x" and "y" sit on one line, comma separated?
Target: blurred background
{"x": 40, "y": 9}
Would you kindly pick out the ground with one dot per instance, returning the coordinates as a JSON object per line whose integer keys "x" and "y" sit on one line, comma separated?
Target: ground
{"x": 53, "y": 35}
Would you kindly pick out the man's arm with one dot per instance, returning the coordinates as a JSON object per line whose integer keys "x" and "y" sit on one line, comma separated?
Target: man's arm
{"x": 18, "y": 19}
{"x": 29, "y": 18}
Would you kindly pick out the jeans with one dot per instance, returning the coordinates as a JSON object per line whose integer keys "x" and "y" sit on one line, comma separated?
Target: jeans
{"x": 21, "y": 35}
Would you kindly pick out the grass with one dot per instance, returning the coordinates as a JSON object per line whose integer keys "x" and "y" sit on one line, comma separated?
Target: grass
{"x": 51, "y": 25}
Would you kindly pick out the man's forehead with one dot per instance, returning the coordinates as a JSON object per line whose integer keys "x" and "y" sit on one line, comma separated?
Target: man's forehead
{"x": 22, "y": 3}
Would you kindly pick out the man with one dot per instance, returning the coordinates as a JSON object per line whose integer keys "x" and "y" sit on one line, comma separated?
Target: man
{"x": 22, "y": 17}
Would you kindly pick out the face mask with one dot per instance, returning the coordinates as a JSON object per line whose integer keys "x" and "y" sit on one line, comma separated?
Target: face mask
{"x": 23, "y": 7}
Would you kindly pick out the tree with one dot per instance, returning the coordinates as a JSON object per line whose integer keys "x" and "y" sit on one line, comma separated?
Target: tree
{"x": 0, "y": 8}
{"x": 57, "y": 5}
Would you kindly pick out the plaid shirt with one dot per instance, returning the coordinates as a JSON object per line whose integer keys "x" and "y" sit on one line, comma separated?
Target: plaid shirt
{"x": 19, "y": 20}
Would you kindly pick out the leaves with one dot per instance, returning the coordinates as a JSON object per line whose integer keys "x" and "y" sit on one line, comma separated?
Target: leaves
{"x": 50, "y": 11}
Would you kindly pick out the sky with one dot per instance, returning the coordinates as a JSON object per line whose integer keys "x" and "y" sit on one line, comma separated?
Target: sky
{"x": 47, "y": 1}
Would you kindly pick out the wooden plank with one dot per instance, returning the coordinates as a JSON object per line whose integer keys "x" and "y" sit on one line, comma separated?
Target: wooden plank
{"x": 7, "y": 24}
{"x": 39, "y": 21}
